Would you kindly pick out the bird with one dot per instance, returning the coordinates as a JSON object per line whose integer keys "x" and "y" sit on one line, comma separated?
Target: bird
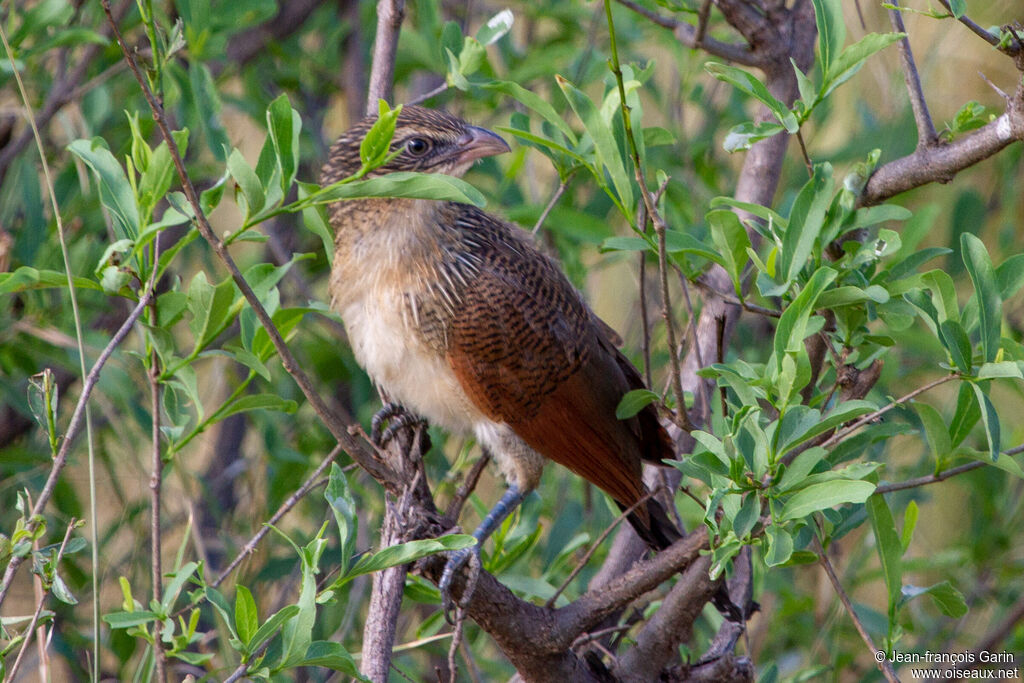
{"x": 462, "y": 320}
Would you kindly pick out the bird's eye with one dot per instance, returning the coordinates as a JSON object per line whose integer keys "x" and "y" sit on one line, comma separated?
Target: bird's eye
{"x": 418, "y": 146}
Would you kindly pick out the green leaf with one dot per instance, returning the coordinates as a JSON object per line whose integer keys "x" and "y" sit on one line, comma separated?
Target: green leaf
{"x": 129, "y": 619}
{"x": 285, "y": 124}
{"x": 948, "y": 599}
{"x": 853, "y": 57}
{"x": 848, "y": 295}
{"x": 403, "y": 184}
{"x": 339, "y": 497}
{"x": 259, "y": 402}
{"x": 404, "y": 553}
{"x": 1010, "y": 276}
{"x": 990, "y": 418}
{"x": 959, "y": 7}
{"x": 247, "y": 181}
{"x": 934, "y": 430}
{"x": 780, "y": 545}
{"x": 271, "y": 626}
{"x": 731, "y": 240}
{"x": 315, "y": 219}
{"x": 805, "y": 222}
{"x": 633, "y": 402}
{"x": 990, "y": 305}
{"x": 535, "y": 104}
{"x": 825, "y": 495}
{"x": 246, "y": 617}
{"x": 801, "y": 467}
{"x": 890, "y": 551}
{"x": 115, "y": 190}
{"x": 26, "y": 278}
{"x": 967, "y": 414}
{"x": 789, "y": 334}
{"x": 743, "y": 136}
{"x": 751, "y": 85}
{"x": 211, "y": 308}
{"x": 606, "y": 148}
{"x": 909, "y": 524}
{"x": 178, "y": 580}
{"x": 828, "y": 14}
{"x": 332, "y": 656}
{"x": 375, "y": 147}
{"x": 954, "y": 338}
{"x": 1006, "y": 369}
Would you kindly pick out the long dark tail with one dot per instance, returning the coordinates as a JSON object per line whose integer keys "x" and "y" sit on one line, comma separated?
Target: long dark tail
{"x": 657, "y": 531}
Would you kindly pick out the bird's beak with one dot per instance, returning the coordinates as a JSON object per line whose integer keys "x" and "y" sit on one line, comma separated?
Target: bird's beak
{"x": 477, "y": 143}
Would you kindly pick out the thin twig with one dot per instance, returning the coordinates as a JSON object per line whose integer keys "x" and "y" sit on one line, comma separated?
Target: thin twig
{"x": 687, "y": 35}
{"x": 293, "y": 500}
{"x": 155, "y": 489}
{"x": 931, "y": 478}
{"x": 385, "y": 44}
{"x": 594, "y": 546}
{"x": 74, "y": 427}
{"x": 871, "y": 417}
{"x": 702, "y": 22}
{"x": 1012, "y": 49}
{"x": 884, "y": 665}
{"x": 730, "y": 299}
{"x": 427, "y": 95}
{"x": 562, "y": 185}
{"x": 926, "y": 135}
{"x": 680, "y": 417}
{"x": 12, "y": 673}
{"x": 334, "y": 423}
{"x": 463, "y": 492}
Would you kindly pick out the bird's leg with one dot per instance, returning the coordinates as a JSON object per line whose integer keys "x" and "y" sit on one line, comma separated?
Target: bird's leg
{"x": 509, "y": 502}
{"x": 396, "y": 417}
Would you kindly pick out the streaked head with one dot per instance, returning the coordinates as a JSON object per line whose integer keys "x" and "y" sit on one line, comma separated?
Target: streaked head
{"x": 429, "y": 141}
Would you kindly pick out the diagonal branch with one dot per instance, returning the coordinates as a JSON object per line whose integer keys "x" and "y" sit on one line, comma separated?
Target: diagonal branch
{"x": 690, "y": 36}
{"x": 941, "y": 163}
{"x": 334, "y": 422}
{"x": 926, "y": 135}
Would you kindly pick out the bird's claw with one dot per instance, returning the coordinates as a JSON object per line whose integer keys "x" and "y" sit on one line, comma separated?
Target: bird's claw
{"x": 396, "y": 417}
{"x": 455, "y": 562}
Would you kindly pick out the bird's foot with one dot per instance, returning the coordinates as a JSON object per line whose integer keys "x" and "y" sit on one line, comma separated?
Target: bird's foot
{"x": 456, "y": 560}
{"x": 387, "y": 422}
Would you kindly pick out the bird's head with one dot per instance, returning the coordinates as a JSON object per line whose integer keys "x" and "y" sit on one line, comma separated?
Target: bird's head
{"x": 428, "y": 141}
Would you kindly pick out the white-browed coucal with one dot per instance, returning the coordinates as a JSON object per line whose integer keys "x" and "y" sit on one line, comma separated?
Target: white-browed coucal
{"x": 459, "y": 318}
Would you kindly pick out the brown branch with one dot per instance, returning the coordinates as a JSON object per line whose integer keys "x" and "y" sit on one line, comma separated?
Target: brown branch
{"x": 385, "y": 605}
{"x": 74, "y": 427}
{"x": 931, "y": 478}
{"x": 926, "y": 135}
{"x": 468, "y": 485}
{"x": 884, "y": 665}
{"x": 687, "y": 34}
{"x": 1013, "y": 49}
{"x": 657, "y": 643}
{"x": 382, "y": 72}
{"x": 871, "y": 417}
{"x": 335, "y": 423}
{"x": 155, "y": 488}
{"x": 942, "y": 162}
